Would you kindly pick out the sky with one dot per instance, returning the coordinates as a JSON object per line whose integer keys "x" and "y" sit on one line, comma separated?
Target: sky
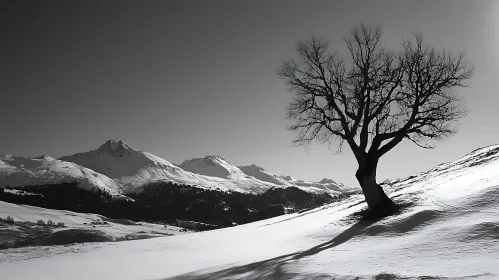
{"x": 186, "y": 79}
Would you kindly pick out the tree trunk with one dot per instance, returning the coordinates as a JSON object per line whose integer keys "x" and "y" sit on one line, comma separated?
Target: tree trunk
{"x": 375, "y": 197}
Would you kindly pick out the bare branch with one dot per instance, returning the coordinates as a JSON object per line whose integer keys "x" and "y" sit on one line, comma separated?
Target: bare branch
{"x": 377, "y": 97}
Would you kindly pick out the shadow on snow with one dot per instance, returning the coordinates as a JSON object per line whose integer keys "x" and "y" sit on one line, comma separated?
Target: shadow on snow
{"x": 273, "y": 268}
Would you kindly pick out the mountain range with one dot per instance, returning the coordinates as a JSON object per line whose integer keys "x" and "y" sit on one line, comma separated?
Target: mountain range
{"x": 118, "y": 169}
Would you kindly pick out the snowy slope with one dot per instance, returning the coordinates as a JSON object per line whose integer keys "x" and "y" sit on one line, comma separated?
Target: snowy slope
{"x": 132, "y": 168}
{"x": 21, "y": 171}
{"x": 450, "y": 232}
{"x": 215, "y": 166}
{"x": 262, "y": 174}
{"x": 323, "y": 185}
{"x": 74, "y": 220}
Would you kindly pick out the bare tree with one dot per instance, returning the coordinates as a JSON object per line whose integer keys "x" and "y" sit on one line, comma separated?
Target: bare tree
{"x": 375, "y": 98}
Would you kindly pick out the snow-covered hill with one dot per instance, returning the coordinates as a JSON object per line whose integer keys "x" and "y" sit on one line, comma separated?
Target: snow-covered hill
{"x": 262, "y": 174}
{"x": 450, "y": 231}
{"x": 132, "y": 169}
{"x": 214, "y": 166}
{"x": 323, "y": 185}
{"x": 253, "y": 175}
{"x": 113, "y": 229}
{"x": 21, "y": 171}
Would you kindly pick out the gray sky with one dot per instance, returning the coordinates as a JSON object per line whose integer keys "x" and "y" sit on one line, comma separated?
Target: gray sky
{"x": 184, "y": 79}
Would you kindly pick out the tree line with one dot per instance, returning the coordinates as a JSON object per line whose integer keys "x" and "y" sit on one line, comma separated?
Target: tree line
{"x": 166, "y": 202}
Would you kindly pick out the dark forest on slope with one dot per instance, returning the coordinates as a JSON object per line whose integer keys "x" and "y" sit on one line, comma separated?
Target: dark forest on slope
{"x": 165, "y": 202}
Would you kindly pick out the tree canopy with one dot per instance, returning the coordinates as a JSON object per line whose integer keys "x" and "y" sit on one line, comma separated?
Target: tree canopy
{"x": 375, "y": 97}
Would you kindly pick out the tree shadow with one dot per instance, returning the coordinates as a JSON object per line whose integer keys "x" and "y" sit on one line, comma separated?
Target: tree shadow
{"x": 339, "y": 239}
{"x": 273, "y": 268}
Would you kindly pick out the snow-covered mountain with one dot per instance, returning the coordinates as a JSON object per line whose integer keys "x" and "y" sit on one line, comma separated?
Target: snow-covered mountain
{"x": 22, "y": 171}
{"x": 214, "y": 166}
{"x": 262, "y": 174}
{"x": 217, "y": 166}
{"x": 447, "y": 230}
{"x": 132, "y": 169}
{"x": 254, "y": 175}
{"x": 118, "y": 168}
{"x": 323, "y": 185}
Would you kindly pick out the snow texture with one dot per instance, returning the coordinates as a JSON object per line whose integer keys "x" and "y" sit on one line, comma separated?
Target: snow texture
{"x": 118, "y": 168}
{"x": 450, "y": 230}
{"x": 132, "y": 169}
{"x": 325, "y": 185}
{"x": 73, "y": 220}
{"x": 214, "y": 166}
{"x": 321, "y": 186}
{"x": 22, "y": 171}
{"x": 262, "y": 174}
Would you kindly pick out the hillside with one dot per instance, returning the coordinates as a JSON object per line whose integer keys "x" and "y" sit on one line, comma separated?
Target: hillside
{"x": 22, "y": 171}
{"x": 89, "y": 227}
{"x": 323, "y": 185}
{"x": 262, "y": 174}
{"x": 448, "y": 230}
{"x": 165, "y": 202}
{"x": 218, "y": 167}
{"x": 214, "y": 166}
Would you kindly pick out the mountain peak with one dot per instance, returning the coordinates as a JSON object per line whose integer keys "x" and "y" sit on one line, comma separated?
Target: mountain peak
{"x": 115, "y": 146}
{"x": 256, "y": 167}
{"x": 210, "y": 165}
{"x": 261, "y": 174}
{"x": 214, "y": 157}
{"x": 327, "y": 181}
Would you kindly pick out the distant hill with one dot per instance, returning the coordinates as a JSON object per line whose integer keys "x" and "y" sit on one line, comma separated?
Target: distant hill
{"x": 22, "y": 171}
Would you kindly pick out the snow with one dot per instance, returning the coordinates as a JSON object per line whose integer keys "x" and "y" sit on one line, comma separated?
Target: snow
{"x": 325, "y": 184}
{"x": 214, "y": 166}
{"x": 118, "y": 168}
{"x": 74, "y": 220}
{"x": 450, "y": 230}
{"x": 19, "y": 192}
{"x": 132, "y": 169}
{"x": 263, "y": 175}
{"x": 287, "y": 178}
{"x": 22, "y": 171}
{"x": 327, "y": 181}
